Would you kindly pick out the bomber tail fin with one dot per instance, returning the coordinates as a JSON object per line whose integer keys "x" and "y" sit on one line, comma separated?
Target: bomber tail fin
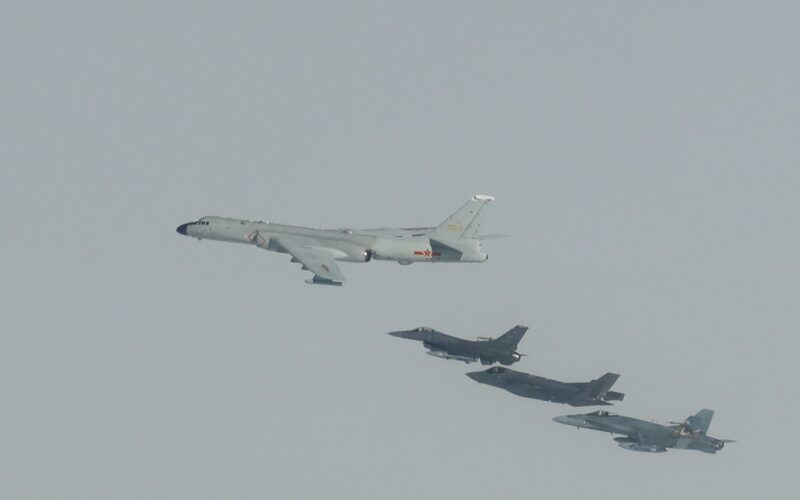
{"x": 464, "y": 223}
{"x": 511, "y": 338}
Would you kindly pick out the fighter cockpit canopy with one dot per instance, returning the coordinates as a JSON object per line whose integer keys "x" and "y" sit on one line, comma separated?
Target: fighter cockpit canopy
{"x": 424, "y": 329}
{"x": 601, "y": 413}
{"x": 496, "y": 370}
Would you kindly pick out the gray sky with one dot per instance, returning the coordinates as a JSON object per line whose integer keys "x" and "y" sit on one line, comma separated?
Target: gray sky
{"x": 644, "y": 158}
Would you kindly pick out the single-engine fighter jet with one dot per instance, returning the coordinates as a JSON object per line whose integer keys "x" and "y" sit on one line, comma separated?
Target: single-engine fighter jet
{"x": 318, "y": 250}
{"x": 526, "y": 385}
{"x": 500, "y": 350}
{"x": 640, "y": 435}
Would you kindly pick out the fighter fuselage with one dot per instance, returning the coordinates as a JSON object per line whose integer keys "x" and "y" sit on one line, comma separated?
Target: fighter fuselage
{"x": 545, "y": 389}
{"x": 446, "y": 346}
{"x": 641, "y": 435}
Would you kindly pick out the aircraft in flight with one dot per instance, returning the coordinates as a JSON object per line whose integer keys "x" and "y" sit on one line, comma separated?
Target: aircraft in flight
{"x": 500, "y": 350}
{"x": 526, "y": 385}
{"x": 318, "y": 250}
{"x": 641, "y": 435}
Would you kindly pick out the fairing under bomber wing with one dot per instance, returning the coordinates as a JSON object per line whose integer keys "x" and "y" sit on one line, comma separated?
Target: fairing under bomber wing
{"x": 313, "y": 256}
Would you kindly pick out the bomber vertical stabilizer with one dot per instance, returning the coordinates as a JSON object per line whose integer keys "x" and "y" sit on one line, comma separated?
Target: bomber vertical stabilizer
{"x": 464, "y": 223}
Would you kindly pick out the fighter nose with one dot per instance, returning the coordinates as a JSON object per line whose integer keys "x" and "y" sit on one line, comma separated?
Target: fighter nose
{"x": 566, "y": 419}
{"x": 182, "y": 229}
{"x": 400, "y": 334}
{"x": 476, "y": 376}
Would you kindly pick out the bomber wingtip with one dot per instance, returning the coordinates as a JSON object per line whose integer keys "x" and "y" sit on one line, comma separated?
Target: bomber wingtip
{"x": 483, "y": 197}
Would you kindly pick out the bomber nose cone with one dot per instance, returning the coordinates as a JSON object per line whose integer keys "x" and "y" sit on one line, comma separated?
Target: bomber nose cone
{"x": 182, "y": 229}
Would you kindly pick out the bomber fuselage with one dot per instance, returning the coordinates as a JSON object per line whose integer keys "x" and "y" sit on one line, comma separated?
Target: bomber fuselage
{"x": 402, "y": 245}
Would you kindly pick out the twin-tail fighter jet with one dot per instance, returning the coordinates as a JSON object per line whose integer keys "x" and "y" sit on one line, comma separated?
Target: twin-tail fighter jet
{"x": 319, "y": 250}
{"x": 486, "y": 350}
{"x": 641, "y": 435}
{"x": 596, "y": 392}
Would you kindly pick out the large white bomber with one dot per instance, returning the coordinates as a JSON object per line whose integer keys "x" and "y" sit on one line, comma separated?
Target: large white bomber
{"x": 318, "y": 250}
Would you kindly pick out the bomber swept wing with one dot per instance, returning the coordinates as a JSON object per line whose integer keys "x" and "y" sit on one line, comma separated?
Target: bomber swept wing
{"x": 313, "y": 256}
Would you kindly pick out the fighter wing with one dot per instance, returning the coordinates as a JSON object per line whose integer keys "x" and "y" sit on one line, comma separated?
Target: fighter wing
{"x": 311, "y": 254}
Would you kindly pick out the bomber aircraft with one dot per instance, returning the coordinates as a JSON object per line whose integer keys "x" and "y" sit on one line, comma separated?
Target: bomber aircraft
{"x": 526, "y": 385}
{"x": 500, "y": 350}
{"x": 641, "y": 435}
{"x": 318, "y": 250}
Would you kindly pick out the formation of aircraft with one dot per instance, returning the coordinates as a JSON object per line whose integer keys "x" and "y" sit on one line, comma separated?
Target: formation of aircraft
{"x": 641, "y": 435}
{"x": 596, "y": 392}
{"x": 457, "y": 239}
{"x": 500, "y": 350}
{"x": 319, "y": 250}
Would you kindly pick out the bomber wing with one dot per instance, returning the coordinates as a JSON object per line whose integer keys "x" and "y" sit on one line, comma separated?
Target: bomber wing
{"x": 313, "y": 256}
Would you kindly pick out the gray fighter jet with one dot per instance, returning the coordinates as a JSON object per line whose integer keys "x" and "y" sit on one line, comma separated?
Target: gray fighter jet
{"x": 526, "y": 385}
{"x": 502, "y": 349}
{"x": 640, "y": 435}
{"x": 318, "y": 250}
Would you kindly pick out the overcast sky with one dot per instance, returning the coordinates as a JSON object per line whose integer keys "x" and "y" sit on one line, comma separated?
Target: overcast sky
{"x": 644, "y": 158}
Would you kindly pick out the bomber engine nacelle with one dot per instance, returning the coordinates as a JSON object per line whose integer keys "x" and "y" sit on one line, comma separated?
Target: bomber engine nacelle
{"x": 359, "y": 256}
{"x": 633, "y": 445}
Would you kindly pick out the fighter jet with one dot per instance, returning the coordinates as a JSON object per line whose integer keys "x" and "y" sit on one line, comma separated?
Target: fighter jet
{"x": 318, "y": 250}
{"x": 526, "y": 385}
{"x": 640, "y": 435}
{"x": 502, "y": 349}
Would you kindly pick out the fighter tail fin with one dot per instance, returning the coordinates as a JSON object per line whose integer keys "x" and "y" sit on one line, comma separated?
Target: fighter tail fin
{"x": 700, "y": 422}
{"x": 511, "y": 338}
{"x": 600, "y": 387}
{"x": 465, "y": 222}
